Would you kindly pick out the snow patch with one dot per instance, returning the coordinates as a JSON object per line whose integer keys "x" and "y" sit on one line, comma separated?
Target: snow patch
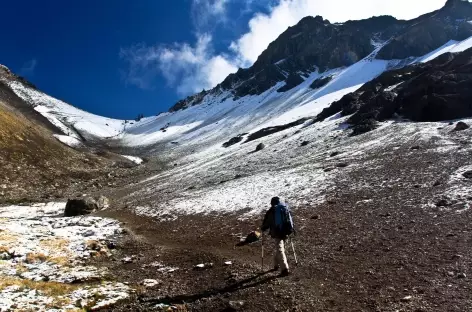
{"x": 68, "y": 140}
{"x": 134, "y": 159}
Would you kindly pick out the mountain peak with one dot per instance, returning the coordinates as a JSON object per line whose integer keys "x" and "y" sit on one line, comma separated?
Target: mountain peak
{"x": 451, "y": 3}
{"x": 458, "y": 8}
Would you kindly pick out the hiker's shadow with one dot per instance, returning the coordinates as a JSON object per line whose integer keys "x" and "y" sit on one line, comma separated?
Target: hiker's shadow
{"x": 254, "y": 281}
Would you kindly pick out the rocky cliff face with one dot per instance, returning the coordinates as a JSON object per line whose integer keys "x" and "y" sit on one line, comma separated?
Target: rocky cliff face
{"x": 436, "y": 91}
{"x": 316, "y": 44}
{"x": 430, "y": 31}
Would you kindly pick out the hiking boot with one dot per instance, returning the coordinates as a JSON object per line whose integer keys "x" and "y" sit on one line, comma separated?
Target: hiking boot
{"x": 285, "y": 273}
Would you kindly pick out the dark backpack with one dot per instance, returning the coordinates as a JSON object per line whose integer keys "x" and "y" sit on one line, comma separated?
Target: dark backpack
{"x": 283, "y": 220}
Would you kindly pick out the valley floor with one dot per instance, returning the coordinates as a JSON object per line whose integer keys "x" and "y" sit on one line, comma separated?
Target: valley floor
{"x": 393, "y": 234}
{"x": 389, "y": 231}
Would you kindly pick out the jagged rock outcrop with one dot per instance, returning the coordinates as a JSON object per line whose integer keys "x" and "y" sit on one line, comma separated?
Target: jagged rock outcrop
{"x": 436, "y": 91}
{"x": 321, "y": 82}
{"x": 189, "y": 101}
{"x": 431, "y": 31}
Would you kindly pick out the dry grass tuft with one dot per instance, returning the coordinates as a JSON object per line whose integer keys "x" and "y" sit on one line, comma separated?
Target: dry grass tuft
{"x": 4, "y": 249}
{"x": 60, "y": 260}
{"x": 20, "y": 269}
{"x": 7, "y": 237}
{"x": 52, "y": 289}
{"x": 56, "y": 244}
{"x": 32, "y": 258}
{"x": 94, "y": 245}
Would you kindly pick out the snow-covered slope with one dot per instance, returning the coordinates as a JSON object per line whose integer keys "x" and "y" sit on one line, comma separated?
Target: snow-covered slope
{"x": 301, "y": 163}
{"x": 220, "y": 117}
{"x": 72, "y": 121}
{"x": 451, "y": 46}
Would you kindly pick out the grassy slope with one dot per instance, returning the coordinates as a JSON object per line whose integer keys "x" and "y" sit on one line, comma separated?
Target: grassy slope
{"x": 34, "y": 164}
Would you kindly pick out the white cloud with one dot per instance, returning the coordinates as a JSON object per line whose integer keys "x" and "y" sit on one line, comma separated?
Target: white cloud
{"x": 190, "y": 68}
{"x": 28, "y": 68}
{"x": 206, "y": 12}
{"x": 186, "y": 68}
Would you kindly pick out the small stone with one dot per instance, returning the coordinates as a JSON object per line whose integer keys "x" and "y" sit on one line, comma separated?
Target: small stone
{"x": 407, "y": 299}
{"x": 103, "y": 202}
{"x": 228, "y": 263}
{"x": 111, "y": 245}
{"x": 461, "y": 275}
{"x": 89, "y": 233}
{"x": 450, "y": 273}
{"x": 5, "y": 256}
{"x": 150, "y": 283}
{"x": 467, "y": 174}
{"x": 202, "y": 266}
{"x": 127, "y": 260}
{"x": 236, "y": 304}
{"x": 443, "y": 203}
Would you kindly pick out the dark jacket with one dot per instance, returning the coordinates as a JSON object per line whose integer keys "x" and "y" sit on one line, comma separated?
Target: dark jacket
{"x": 269, "y": 223}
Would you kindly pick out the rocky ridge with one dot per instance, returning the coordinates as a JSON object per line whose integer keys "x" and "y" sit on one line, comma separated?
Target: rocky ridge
{"x": 315, "y": 44}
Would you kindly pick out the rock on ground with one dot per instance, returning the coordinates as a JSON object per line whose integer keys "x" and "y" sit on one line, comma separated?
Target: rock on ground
{"x": 78, "y": 207}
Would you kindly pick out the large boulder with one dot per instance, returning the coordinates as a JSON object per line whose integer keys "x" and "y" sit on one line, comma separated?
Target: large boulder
{"x": 461, "y": 126}
{"x": 79, "y": 207}
{"x": 260, "y": 147}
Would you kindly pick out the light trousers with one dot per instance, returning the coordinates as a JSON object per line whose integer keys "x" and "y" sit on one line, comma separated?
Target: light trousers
{"x": 280, "y": 259}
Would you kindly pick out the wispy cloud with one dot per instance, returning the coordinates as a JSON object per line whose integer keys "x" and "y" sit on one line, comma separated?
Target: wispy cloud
{"x": 207, "y": 13}
{"x": 191, "y": 67}
{"x": 186, "y": 68}
{"x": 28, "y": 68}
{"x": 143, "y": 65}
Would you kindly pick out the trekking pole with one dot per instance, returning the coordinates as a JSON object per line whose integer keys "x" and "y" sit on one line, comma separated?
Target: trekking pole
{"x": 294, "y": 253}
{"x": 262, "y": 251}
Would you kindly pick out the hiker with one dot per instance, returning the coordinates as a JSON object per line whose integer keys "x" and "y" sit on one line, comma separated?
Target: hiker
{"x": 280, "y": 225}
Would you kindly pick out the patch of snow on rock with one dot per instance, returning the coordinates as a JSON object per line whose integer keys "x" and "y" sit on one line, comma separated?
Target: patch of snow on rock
{"x": 41, "y": 249}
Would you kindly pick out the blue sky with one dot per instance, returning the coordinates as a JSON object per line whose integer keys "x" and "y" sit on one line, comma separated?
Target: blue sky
{"x": 120, "y": 58}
